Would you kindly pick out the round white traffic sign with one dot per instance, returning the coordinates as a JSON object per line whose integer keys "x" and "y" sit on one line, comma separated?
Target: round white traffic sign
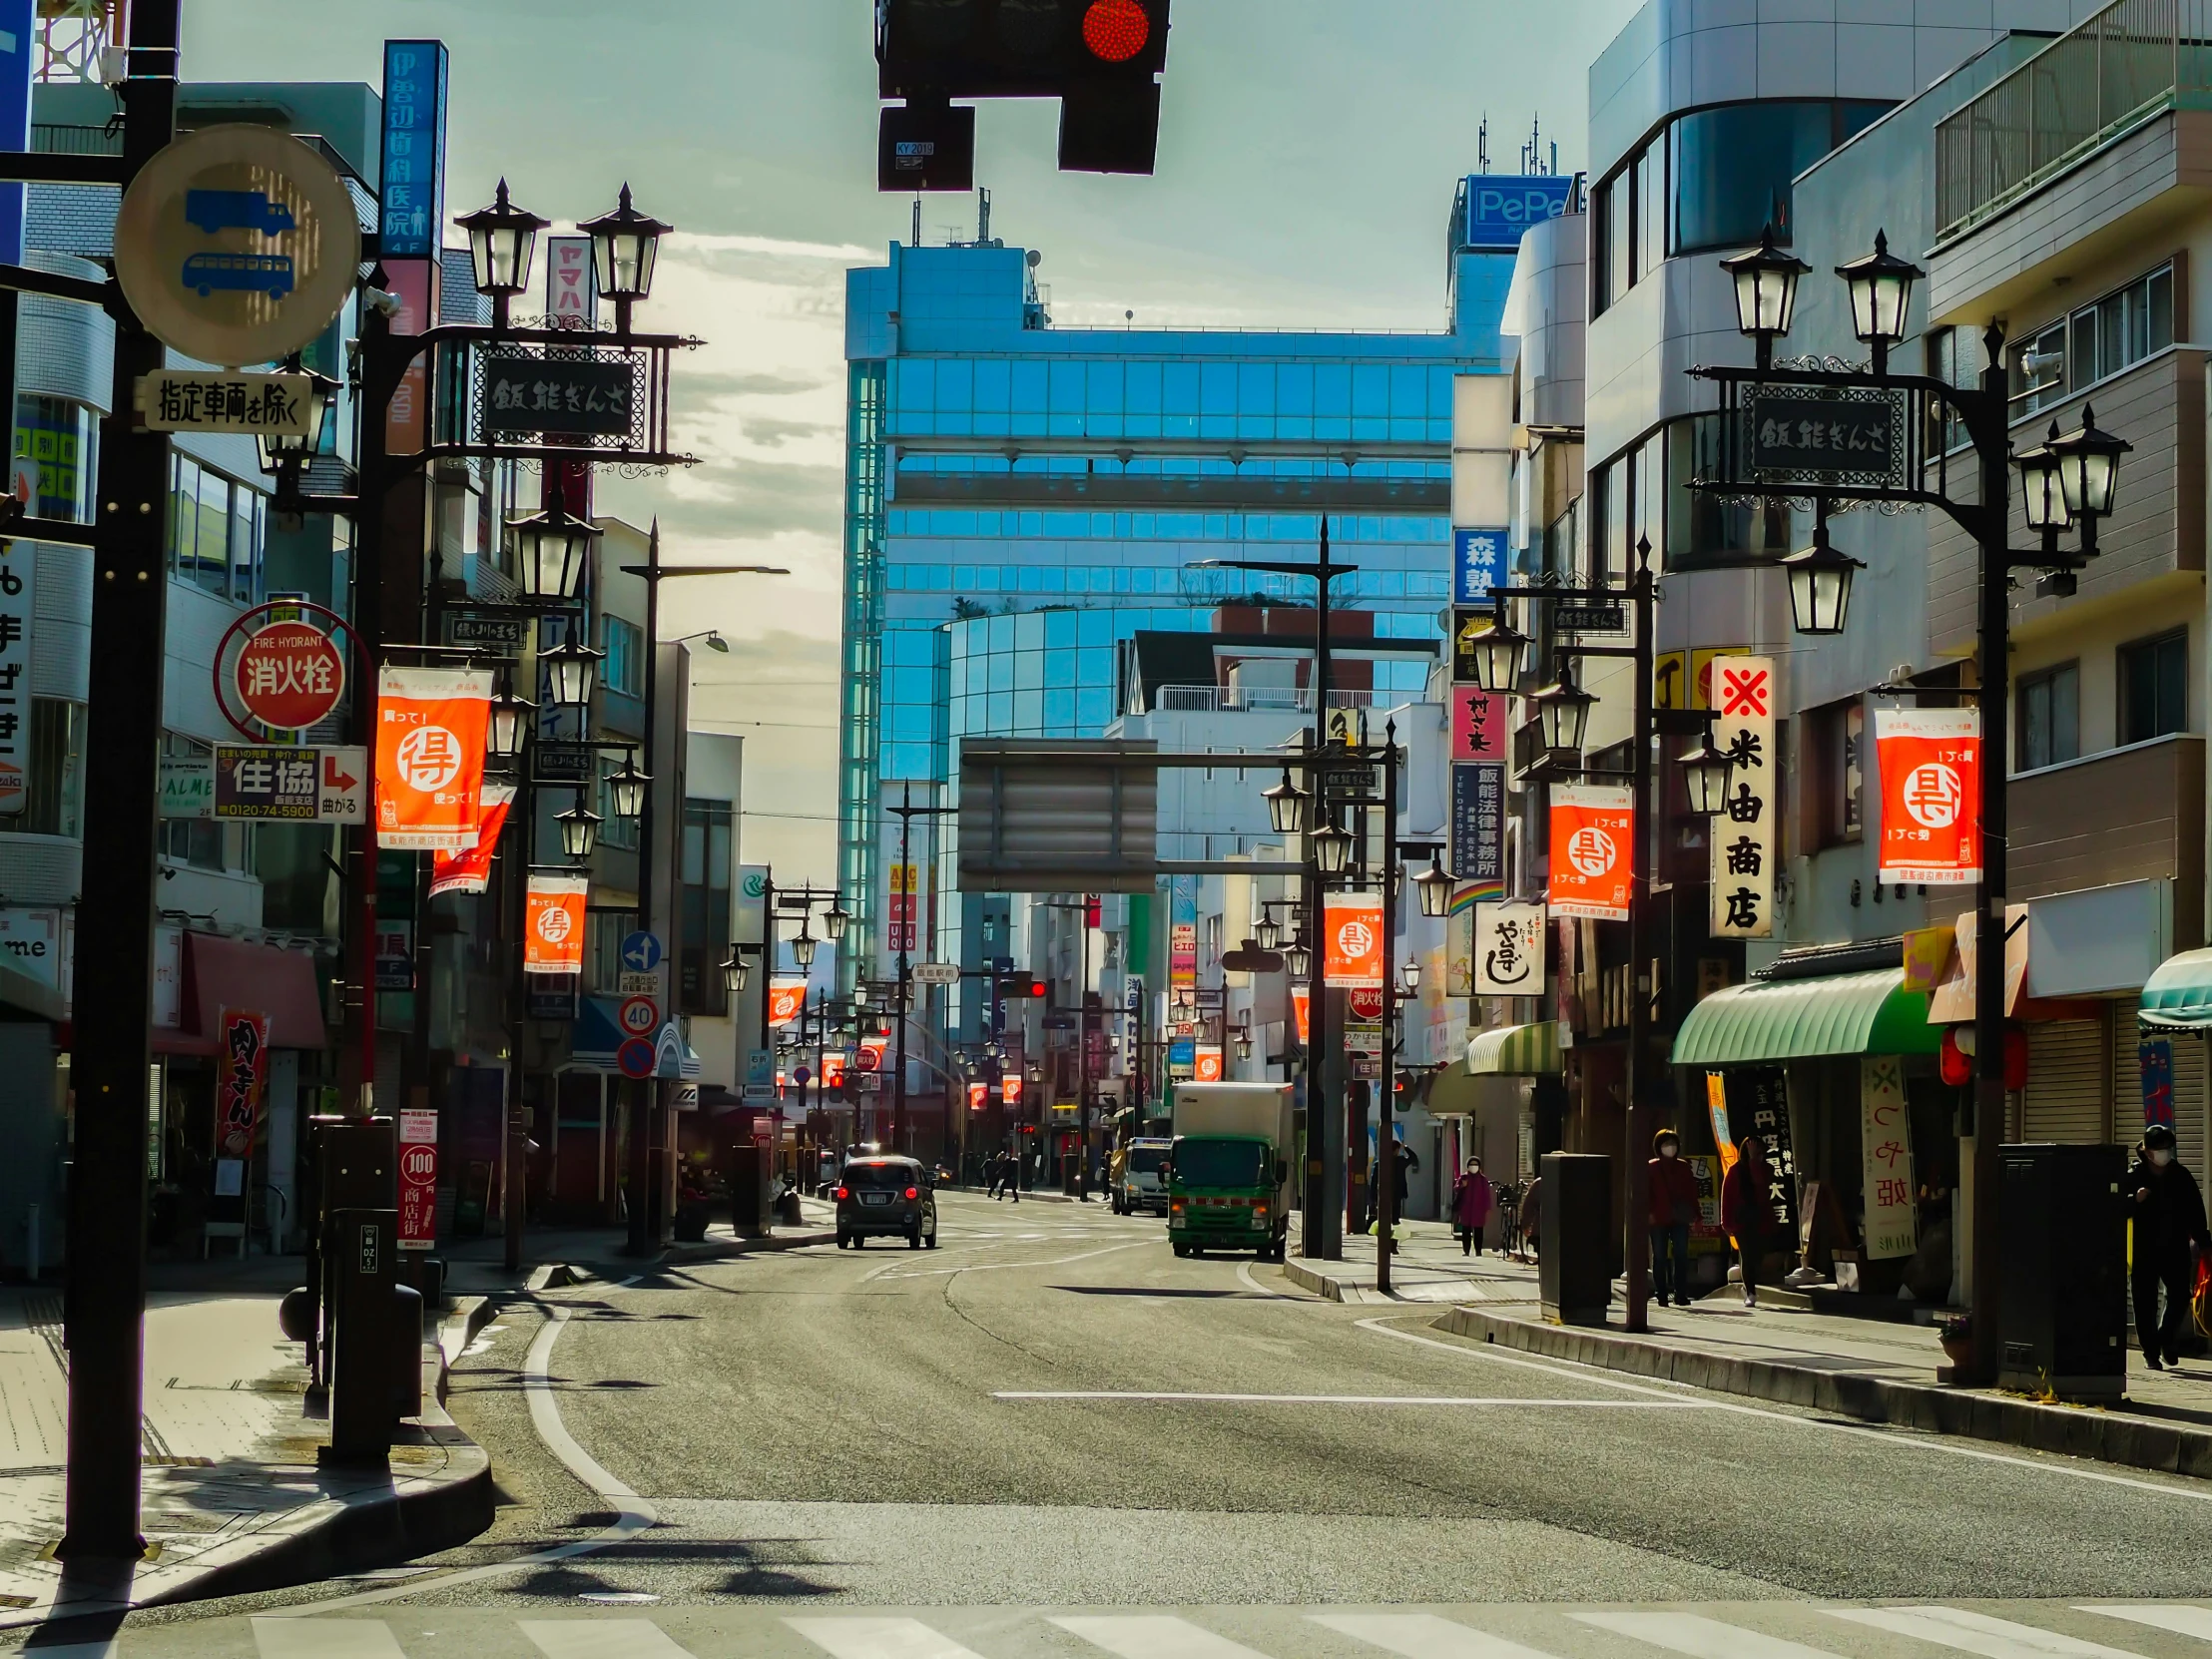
{"x": 639, "y": 1016}
{"x": 237, "y": 244}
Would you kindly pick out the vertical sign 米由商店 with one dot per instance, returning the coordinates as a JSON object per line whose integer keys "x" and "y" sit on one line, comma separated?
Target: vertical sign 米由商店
{"x": 1744, "y": 835}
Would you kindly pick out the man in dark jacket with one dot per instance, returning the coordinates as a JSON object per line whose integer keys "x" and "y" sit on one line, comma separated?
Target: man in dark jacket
{"x": 2168, "y": 1212}
{"x": 1673, "y": 1187}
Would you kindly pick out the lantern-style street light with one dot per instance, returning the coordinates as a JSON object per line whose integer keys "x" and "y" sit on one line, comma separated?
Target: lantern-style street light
{"x": 1298, "y": 958}
{"x": 626, "y": 790}
{"x": 579, "y": 830}
{"x": 736, "y": 970}
{"x": 1496, "y": 648}
{"x": 570, "y": 670}
{"x": 1819, "y": 583}
{"x": 510, "y": 720}
{"x": 1331, "y": 849}
{"x": 1434, "y": 886}
{"x": 1563, "y": 710}
{"x": 551, "y": 552}
{"x": 1705, "y": 772}
{"x": 1408, "y": 976}
{"x": 1880, "y": 286}
{"x": 321, "y": 393}
{"x": 2088, "y": 467}
{"x": 2043, "y": 495}
{"x": 803, "y": 949}
{"x": 623, "y": 246}
{"x": 1766, "y": 291}
{"x": 501, "y": 239}
{"x": 1286, "y": 806}
{"x": 836, "y": 919}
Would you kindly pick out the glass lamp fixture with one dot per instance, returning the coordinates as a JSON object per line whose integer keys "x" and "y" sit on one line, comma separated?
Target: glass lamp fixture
{"x": 509, "y": 725}
{"x": 1286, "y": 806}
{"x": 1269, "y": 933}
{"x": 1434, "y": 886}
{"x": 1331, "y": 849}
{"x": 1496, "y": 648}
{"x": 579, "y": 830}
{"x": 570, "y": 669}
{"x": 1766, "y": 282}
{"x": 1820, "y": 584}
{"x": 1881, "y": 287}
{"x": 803, "y": 949}
{"x": 321, "y": 395}
{"x": 1297, "y": 959}
{"x": 1705, "y": 772}
{"x": 626, "y": 790}
{"x": 836, "y": 919}
{"x": 1408, "y": 976}
{"x": 551, "y": 551}
{"x": 1243, "y": 1043}
{"x": 501, "y": 239}
{"x": 2089, "y": 466}
{"x": 1563, "y": 710}
{"x": 734, "y": 971}
{"x": 623, "y": 246}
{"x": 2042, "y": 492}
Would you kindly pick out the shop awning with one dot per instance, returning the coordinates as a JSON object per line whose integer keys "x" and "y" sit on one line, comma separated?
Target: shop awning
{"x": 1514, "y": 1051}
{"x": 2179, "y": 993}
{"x": 1790, "y": 1019}
{"x": 225, "y": 973}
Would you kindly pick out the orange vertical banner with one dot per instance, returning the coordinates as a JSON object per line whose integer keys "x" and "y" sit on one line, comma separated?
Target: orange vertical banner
{"x": 469, "y": 871}
{"x": 1593, "y": 830}
{"x": 1931, "y": 765}
{"x": 1352, "y": 939}
{"x": 430, "y": 728}
{"x": 553, "y": 925}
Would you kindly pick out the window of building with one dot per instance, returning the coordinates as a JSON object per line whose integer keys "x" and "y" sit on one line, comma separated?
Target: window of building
{"x": 1954, "y": 356}
{"x": 2154, "y": 687}
{"x": 2092, "y": 344}
{"x": 54, "y": 783}
{"x": 217, "y": 530}
{"x": 1833, "y": 804}
{"x": 1733, "y": 165}
{"x": 1702, "y": 528}
{"x": 62, "y": 439}
{"x": 705, "y": 867}
{"x": 624, "y": 648}
{"x": 2050, "y": 722}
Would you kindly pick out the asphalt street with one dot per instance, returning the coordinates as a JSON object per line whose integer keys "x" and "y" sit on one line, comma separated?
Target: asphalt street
{"x": 1053, "y": 1411}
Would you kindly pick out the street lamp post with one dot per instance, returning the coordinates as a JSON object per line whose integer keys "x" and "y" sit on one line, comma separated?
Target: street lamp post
{"x": 1744, "y": 463}
{"x": 910, "y": 933}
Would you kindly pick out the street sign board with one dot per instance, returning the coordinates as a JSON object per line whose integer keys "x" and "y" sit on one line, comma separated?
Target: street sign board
{"x": 587, "y": 397}
{"x": 1478, "y": 564}
{"x": 418, "y": 1180}
{"x": 506, "y": 634}
{"x": 1825, "y": 434}
{"x": 289, "y": 674}
{"x": 635, "y": 1057}
{"x": 553, "y": 997}
{"x": 205, "y": 400}
{"x": 188, "y": 785}
{"x": 641, "y": 952}
{"x": 563, "y": 762}
{"x": 639, "y": 1016}
{"x": 1598, "y": 617}
{"x": 298, "y": 784}
{"x": 936, "y": 973}
{"x": 1084, "y": 821}
{"x": 637, "y": 984}
{"x": 237, "y": 244}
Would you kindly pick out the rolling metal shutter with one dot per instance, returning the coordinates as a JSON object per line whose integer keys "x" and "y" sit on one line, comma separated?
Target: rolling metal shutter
{"x": 2189, "y": 1092}
{"x": 2065, "y": 1097}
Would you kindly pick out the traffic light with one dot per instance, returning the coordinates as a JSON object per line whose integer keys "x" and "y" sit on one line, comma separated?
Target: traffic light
{"x": 1023, "y": 985}
{"x": 1090, "y": 909}
{"x": 1100, "y": 58}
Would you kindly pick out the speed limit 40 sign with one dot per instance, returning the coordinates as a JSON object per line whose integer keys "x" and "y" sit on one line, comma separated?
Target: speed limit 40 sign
{"x": 640, "y": 1016}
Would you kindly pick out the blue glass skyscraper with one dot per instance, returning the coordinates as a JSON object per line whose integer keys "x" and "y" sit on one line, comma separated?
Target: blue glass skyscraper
{"x": 1021, "y": 497}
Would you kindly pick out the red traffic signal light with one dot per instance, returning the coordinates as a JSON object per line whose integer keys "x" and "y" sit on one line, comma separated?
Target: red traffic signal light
{"x": 1090, "y": 909}
{"x": 1023, "y": 986}
{"x": 1116, "y": 30}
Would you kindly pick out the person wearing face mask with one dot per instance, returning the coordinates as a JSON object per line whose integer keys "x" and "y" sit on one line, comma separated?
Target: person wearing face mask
{"x": 2168, "y": 1212}
{"x": 1673, "y": 1208}
{"x": 1747, "y": 1213}
{"x": 1471, "y": 1201}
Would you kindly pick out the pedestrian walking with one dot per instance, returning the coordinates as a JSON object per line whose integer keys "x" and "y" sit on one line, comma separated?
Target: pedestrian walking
{"x": 1673, "y": 1206}
{"x": 1405, "y": 1164}
{"x": 2168, "y": 1212}
{"x": 1747, "y": 1213}
{"x": 1471, "y": 1201}
{"x": 1533, "y": 1217}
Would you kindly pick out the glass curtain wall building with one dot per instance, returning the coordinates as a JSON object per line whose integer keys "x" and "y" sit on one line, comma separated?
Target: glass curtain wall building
{"x": 1022, "y": 497}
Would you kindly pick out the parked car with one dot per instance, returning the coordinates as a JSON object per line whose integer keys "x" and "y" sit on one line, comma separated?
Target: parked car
{"x": 878, "y": 1197}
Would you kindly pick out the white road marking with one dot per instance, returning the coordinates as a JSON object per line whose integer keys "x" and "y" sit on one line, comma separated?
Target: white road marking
{"x": 878, "y": 1639}
{"x": 1155, "y": 1636}
{"x": 1360, "y": 1400}
{"x": 1424, "y": 1636}
{"x": 1244, "y": 1271}
{"x": 1700, "y": 1637}
{"x": 2181, "y": 1617}
{"x": 280, "y": 1638}
{"x": 1972, "y": 1632}
{"x": 888, "y": 1272}
{"x": 601, "y": 1639}
{"x": 1902, "y": 1440}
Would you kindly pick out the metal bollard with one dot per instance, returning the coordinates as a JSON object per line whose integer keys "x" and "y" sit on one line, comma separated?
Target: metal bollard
{"x": 362, "y": 1319}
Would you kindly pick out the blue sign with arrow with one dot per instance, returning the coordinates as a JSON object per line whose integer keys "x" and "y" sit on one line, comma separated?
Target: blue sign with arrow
{"x": 641, "y": 952}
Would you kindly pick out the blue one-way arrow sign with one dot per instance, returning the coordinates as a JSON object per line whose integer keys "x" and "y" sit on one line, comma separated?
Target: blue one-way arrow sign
{"x": 641, "y": 952}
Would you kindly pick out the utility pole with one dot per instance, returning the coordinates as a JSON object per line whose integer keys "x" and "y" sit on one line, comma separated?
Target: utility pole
{"x": 908, "y": 932}
{"x": 111, "y": 1059}
{"x": 644, "y": 1095}
{"x": 1385, "y": 1128}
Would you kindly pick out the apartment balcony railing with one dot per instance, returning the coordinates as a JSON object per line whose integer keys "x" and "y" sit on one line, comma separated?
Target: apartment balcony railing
{"x": 2130, "y": 61}
{"x": 1273, "y": 699}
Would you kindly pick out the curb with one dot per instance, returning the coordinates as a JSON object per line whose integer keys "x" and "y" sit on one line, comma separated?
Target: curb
{"x": 1305, "y": 1279}
{"x": 2106, "y": 1437}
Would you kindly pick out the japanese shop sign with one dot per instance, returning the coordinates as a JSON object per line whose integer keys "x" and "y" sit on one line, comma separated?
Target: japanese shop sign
{"x": 1931, "y": 765}
{"x": 1835, "y": 433}
{"x": 870, "y": 1057}
{"x": 1593, "y": 827}
{"x": 539, "y": 394}
{"x": 1744, "y": 837}
{"x": 469, "y": 869}
{"x": 407, "y": 415}
{"x": 1467, "y": 625}
{"x": 1206, "y": 1063}
{"x": 197, "y": 401}
{"x": 1010, "y": 1089}
{"x": 296, "y": 784}
{"x": 18, "y": 594}
{"x": 786, "y": 1000}
{"x": 978, "y": 1096}
{"x": 418, "y": 1180}
{"x": 430, "y": 730}
{"x": 903, "y": 884}
{"x": 1508, "y": 949}
{"x": 393, "y": 944}
{"x": 413, "y": 172}
{"x": 1182, "y": 930}
{"x": 1478, "y": 564}
{"x": 1478, "y": 824}
{"x": 289, "y": 674}
{"x": 1352, "y": 939}
{"x": 242, "y": 1074}
{"x": 1301, "y": 1004}
{"x": 553, "y": 925}
{"x": 1886, "y": 1143}
{"x": 1759, "y": 1104}
{"x": 1478, "y": 725}
{"x": 571, "y": 296}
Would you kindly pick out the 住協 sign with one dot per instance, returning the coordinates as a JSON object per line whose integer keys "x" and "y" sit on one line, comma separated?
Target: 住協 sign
{"x": 294, "y": 783}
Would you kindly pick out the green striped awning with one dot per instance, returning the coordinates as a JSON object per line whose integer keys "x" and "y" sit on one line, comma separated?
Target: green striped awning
{"x": 1843, "y": 1013}
{"x": 2179, "y": 994}
{"x": 1515, "y": 1051}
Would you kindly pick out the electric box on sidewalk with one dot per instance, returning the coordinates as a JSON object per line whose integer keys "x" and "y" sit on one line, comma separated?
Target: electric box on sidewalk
{"x": 2063, "y": 1287}
{"x": 1577, "y": 1230}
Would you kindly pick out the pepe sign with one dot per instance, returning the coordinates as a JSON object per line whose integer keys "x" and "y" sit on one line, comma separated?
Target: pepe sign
{"x": 237, "y": 244}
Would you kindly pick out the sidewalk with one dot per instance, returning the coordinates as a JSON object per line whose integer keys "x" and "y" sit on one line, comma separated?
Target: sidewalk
{"x": 1426, "y": 1267}
{"x": 234, "y": 1499}
{"x": 1875, "y": 1371}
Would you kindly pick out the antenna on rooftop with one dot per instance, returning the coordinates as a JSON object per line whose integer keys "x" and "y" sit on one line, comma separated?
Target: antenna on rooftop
{"x": 1483, "y": 145}
{"x": 916, "y": 242}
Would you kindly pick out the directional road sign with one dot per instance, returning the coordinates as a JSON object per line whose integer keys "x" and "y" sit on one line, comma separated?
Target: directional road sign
{"x": 641, "y": 952}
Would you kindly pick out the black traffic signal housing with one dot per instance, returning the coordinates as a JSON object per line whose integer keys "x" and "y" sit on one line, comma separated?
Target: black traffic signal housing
{"x": 1101, "y": 58}
{"x": 1023, "y": 985}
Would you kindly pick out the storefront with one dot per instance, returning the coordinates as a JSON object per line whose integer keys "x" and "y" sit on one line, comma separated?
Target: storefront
{"x": 2169, "y": 1071}
{"x": 1490, "y": 1103}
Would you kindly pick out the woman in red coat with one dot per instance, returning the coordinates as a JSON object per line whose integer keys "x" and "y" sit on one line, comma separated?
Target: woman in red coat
{"x": 1471, "y": 1201}
{"x": 1747, "y": 1212}
{"x": 1673, "y": 1188}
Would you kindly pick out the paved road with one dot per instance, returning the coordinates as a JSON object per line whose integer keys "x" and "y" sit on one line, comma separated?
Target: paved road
{"x": 1052, "y": 1412}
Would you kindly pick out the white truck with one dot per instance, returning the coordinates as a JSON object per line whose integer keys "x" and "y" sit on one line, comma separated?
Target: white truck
{"x": 1229, "y": 1168}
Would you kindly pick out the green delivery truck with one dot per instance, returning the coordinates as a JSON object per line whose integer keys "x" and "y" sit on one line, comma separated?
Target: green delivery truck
{"x": 1228, "y": 1169}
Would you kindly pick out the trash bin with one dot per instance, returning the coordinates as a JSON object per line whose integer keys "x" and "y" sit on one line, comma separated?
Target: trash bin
{"x": 1575, "y": 1268}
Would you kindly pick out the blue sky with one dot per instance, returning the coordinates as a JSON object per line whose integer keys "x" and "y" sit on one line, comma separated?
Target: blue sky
{"x": 1306, "y": 160}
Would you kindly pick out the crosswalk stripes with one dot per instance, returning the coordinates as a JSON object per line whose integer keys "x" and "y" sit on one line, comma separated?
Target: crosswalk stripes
{"x": 1699, "y": 1637}
{"x": 2177, "y": 1616}
{"x": 601, "y": 1639}
{"x": 1972, "y": 1632}
{"x": 1424, "y": 1636}
{"x": 280, "y": 1638}
{"x": 865, "y": 1638}
{"x": 1155, "y": 1636}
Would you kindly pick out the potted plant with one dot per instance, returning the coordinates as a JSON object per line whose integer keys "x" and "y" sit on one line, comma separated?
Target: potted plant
{"x": 1956, "y": 1332}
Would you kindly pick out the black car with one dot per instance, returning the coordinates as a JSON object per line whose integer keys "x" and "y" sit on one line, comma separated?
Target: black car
{"x": 878, "y": 1196}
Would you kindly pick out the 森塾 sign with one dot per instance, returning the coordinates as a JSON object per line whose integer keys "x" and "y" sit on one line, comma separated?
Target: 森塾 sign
{"x": 785, "y": 998}
{"x": 430, "y": 728}
{"x": 1931, "y": 765}
{"x": 469, "y": 871}
{"x": 1744, "y": 836}
{"x": 553, "y": 925}
{"x": 1352, "y": 939}
{"x": 1593, "y": 828}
